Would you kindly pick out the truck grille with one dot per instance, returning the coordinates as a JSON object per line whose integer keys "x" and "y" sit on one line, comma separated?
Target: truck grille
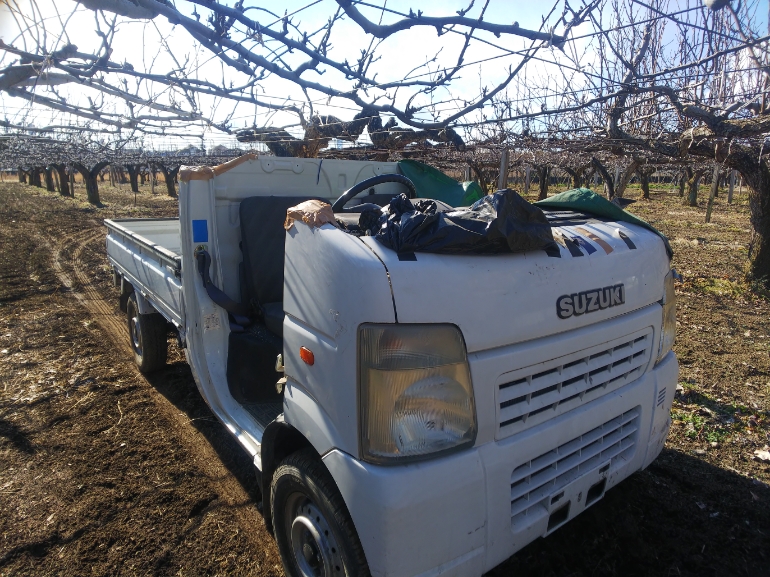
{"x": 541, "y": 392}
{"x": 535, "y": 481}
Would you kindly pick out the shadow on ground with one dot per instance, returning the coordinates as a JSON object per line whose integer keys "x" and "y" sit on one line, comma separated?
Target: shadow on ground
{"x": 177, "y": 385}
{"x": 681, "y": 516}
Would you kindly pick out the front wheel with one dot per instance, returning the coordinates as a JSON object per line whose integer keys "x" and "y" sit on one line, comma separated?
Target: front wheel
{"x": 313, "y": 528}
{"x": 148, "y": 337}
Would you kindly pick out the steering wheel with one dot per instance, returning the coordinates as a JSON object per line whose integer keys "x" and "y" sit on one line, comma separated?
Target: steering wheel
{"x": 368, "y": 183}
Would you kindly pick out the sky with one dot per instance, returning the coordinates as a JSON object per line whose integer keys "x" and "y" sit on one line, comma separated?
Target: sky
{"x": 138, "y": 43}
{"x": 141, "y": 43}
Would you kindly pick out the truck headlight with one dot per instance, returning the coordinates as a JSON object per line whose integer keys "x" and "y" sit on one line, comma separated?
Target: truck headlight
{"x": 415, "y": 393}
{"x": 668, "y": 329}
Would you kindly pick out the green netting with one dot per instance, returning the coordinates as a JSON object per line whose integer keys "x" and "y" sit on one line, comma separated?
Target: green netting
{"x": 432, "y": 183}
{"x": 585, "y": 200}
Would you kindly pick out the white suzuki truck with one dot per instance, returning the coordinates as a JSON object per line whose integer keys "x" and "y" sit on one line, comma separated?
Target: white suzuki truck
{"x": 419, "y": 414}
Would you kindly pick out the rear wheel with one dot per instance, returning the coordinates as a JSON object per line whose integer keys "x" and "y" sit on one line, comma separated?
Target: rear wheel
{"x": 313, "y": 528}
{"x": 147, "y": 334}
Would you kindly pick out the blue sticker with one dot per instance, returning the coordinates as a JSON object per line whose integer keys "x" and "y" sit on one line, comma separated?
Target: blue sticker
{"x": 200, "y": 231}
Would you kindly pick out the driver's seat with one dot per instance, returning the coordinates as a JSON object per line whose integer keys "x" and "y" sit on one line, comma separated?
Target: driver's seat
{"x": 263, "y": 241}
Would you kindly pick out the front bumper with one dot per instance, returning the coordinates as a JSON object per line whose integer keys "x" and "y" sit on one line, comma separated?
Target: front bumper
{"x": 453, "y": 516}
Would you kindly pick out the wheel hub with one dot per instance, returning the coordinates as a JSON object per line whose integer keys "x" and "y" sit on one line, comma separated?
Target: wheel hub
{"x": 311, "y": 554}
{"x": 315, "y": 548}
{"x": 136, "y": 337}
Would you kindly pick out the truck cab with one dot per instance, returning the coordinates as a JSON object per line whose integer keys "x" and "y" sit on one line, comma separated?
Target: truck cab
{"x": 408, "y": 414}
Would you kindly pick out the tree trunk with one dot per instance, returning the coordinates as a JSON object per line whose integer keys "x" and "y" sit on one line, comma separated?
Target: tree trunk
{"x": 575, "y": 175}
{"x": 170, "y": 177}
{"x": 71, "y": 174}
{"x": 644, "y": 180}
{"x": 90, "y": 178}
{"x": 133, "y": 174}
{"x": 34, "y": 178}
{"x": 169, "y": 174}
{"x": 478, "y": 170}
{"x": 589, "y": 176}
{"x": 527, "y": 179}
{"x": 543, "y": 173}
{"x": 49, "y": 179}
{"x": 92, "y": 188}
{"x": 683, "y": 176}
{"x": 608, "y": 182}
{"x": 731, "y": 184}
{"x": 694, "y": 183}
{"x": 22, "y": 176}
{"x": 502, "y": 179}
{"x": 624, "y": 177}
{"x": 64, "y": 189}
{"x": 712, "y": 196}
{"x": 757, "y": 178}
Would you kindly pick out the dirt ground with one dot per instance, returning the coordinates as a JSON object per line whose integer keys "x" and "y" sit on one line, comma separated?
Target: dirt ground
{"x": 104, "y": 472}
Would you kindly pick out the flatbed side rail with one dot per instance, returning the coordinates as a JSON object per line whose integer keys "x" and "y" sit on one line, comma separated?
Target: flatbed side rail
{"x": 164, "y": 255}
{"x": 154, "y": 271}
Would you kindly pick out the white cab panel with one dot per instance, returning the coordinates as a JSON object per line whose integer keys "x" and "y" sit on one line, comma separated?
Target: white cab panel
{"x": 332, "y": 284}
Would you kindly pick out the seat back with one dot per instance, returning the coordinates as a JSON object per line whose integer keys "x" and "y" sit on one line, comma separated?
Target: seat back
{"x": 263, "y": 241}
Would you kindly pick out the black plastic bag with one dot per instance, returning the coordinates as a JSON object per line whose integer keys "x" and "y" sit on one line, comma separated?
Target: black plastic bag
{"x": 500, "y": 222}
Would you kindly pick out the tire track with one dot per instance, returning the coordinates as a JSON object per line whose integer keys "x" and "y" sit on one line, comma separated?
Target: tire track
{"x": 81, "y": 286}
{"x": 88, "y": 296}
{"x": 100, "y": 309}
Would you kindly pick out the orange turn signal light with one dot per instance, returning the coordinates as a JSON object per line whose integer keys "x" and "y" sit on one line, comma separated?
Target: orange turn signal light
{"x": 307, "y": 355}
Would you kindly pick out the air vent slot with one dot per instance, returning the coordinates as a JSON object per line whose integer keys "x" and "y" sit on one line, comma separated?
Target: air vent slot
{"x": 534, "y": 482}
{"x": 595, "y": 492}
{"x": 535, "y": 394}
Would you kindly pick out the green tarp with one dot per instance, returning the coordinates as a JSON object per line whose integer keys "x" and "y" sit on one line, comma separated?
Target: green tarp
{"x": 432, "y": 183}
{"x": 585, "y": 200}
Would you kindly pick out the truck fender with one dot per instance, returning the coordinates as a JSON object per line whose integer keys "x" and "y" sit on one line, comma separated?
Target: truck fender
{"x": 126, "y": 290}
{"x": 279, "y": 441}
{"x": 145, "y": 308}
{"x": 308, "y": 416}
{"x": 310, "y": 427}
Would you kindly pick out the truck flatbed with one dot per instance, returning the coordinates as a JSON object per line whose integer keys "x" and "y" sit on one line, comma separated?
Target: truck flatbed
{"x": 147, "y": 252}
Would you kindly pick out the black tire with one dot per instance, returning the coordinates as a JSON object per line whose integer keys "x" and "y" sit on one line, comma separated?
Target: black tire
{"x": 315, "y": 534}
{"x": 147, "y": 335}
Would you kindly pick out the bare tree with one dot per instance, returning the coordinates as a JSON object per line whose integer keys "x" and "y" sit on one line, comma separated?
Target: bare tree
{"x": 624, "y": 82}
{"x": 255, "y": 45}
